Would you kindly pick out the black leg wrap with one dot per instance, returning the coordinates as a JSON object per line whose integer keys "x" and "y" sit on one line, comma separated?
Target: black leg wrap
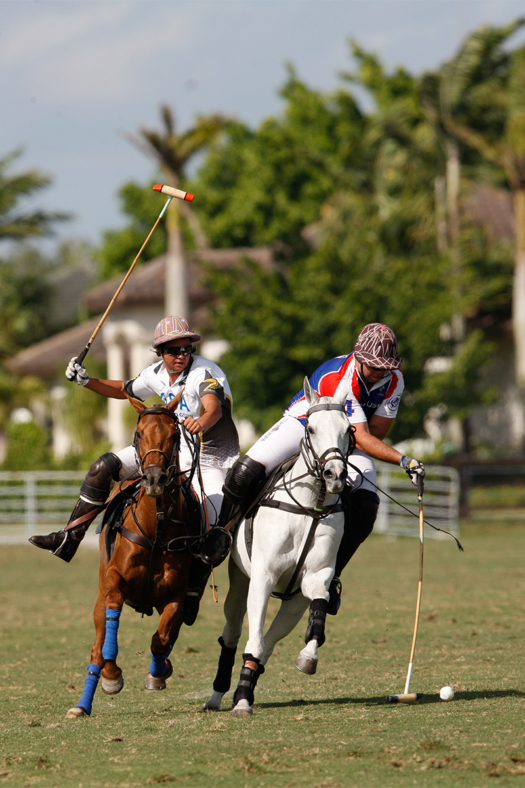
{"x": 240, "y": 488}
{"x": 247, "y": 681}
{"x": 316, "y": 621}
{"x": 360, "y": 511}
{"x": 223, "y": 679}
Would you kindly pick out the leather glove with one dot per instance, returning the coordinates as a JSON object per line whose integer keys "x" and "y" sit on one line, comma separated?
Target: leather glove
{"x": 77, "y": 373}
{"x": 414, "y": 468}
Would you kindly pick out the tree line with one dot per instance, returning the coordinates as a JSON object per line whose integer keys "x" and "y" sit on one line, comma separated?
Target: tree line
{"x": 367, "y": 211}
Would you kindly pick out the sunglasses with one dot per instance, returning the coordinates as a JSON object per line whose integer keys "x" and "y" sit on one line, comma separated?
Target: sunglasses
{"x": 178, "y": 351}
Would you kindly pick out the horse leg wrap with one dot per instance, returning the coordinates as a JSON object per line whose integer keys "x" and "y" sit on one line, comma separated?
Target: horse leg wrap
{"x": 316, "y": 621}
{"x": 223, "y": 679}
{"x": 86, "y": 701}
{"x": 247, "y": 681}
{"x": 158, "y": 665}
{"x": 110, "y": 647}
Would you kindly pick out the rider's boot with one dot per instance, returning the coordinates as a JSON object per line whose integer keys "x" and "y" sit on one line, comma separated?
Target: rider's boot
{"x": 241, "y": 486}
{"x": 360, "y": 511}
{"x": 93, "y": 493}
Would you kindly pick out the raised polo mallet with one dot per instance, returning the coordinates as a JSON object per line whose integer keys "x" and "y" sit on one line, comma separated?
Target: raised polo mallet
{"x": 406, "y": 696}
{"x": 158, "y": 187}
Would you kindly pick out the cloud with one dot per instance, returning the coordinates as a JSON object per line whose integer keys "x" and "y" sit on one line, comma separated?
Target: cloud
{"x": 37, "y": 34}
{"x": 96, "y": 54}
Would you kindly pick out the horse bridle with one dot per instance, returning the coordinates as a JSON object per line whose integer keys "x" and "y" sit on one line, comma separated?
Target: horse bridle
{"x": 157, "y": 409}
{"x": 316, "y": 463}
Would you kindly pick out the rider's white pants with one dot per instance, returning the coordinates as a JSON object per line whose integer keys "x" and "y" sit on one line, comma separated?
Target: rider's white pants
{"x": 283, "y": 441}
{"x": 212, "y": 480}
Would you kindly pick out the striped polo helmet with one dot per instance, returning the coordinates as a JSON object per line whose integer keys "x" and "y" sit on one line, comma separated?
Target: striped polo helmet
{"x": 376, "y": 346}
{"x": 173, "y": 328}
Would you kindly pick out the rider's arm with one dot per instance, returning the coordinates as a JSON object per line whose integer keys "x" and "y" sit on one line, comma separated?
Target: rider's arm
{"x": 114, "y": 389}
{"x": 373, "y": 446}
{"x": 210, "y": 416}
{"x": 379, "y": 426}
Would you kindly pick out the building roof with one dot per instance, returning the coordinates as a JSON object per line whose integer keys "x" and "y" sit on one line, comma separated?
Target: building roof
{"x": 147, "y": 283}
{"x": 49, "y": 357}
{"x": 145, "y": 287}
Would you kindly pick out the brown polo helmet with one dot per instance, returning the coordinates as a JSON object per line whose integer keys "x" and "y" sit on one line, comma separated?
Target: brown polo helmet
{"x": 376, "y": 346}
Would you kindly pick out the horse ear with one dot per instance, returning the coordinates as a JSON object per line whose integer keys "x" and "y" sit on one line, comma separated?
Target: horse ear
{"x": 311, "y": 395}
{"x": 341, "y": 393}
{"x": 137, "y": 404}
{"x": 174, "y": 403}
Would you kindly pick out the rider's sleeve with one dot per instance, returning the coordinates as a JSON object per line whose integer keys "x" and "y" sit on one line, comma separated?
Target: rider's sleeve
{"x": 205, "y": 381}
{"x": 140, "y": 387}
{"x": 389, "y": 407}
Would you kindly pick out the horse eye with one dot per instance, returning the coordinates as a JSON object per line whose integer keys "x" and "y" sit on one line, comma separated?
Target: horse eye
{"x": 311, "y": 430}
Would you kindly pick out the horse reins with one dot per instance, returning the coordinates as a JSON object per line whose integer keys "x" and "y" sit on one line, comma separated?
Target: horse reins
{"x": 315, "y": 465}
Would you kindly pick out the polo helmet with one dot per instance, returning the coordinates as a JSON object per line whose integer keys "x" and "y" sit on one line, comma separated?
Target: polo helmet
{"x": 376, "y": 346}
{"x": 173, "y": 328}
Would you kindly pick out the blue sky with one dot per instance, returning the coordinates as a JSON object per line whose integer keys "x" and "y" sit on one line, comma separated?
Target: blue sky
{"x": 77, "y": 75}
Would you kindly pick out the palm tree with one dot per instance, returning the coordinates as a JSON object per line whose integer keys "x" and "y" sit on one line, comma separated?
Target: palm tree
{"x": 483, "y": 101}
{"x": 15, "y": 223}
{"x": 172, "y": 151}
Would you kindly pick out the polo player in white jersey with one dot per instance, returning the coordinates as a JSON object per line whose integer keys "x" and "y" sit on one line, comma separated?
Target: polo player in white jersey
{"x": 205, "y": 409}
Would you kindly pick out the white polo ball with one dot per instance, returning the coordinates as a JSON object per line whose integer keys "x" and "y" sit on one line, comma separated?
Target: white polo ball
{"x": 446, "y": 693}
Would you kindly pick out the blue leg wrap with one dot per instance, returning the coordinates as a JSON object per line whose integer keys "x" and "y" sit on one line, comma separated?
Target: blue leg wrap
{"x": 157, "y": 666}
{"x": 110, "y": 647}
{"x": 86, "y": 701}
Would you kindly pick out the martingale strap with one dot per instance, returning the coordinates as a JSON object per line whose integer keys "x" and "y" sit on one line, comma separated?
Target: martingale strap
{"x": 293, "y": 509}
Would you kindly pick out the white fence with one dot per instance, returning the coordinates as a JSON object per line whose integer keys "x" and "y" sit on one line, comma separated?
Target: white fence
{"x": 36, "y": 502}
{"x": 440, "y": 501}
{"x": 39, "y": 502}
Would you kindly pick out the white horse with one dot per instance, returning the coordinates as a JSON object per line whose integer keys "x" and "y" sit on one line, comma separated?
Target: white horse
{"x": 294, "y": 549}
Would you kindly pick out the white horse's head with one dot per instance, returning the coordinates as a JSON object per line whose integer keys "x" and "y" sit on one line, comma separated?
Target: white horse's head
{"x": 328, "y": 435}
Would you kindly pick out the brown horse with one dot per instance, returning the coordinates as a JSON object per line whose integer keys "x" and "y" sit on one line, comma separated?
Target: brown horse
{"x": 150, "y": 565}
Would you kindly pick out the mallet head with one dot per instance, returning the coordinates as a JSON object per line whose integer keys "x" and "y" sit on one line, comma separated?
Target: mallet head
{"x": 409, "y": 697}
{"x": 172, "y": 192}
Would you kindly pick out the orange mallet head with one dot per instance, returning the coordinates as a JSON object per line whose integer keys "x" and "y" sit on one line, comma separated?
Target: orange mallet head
{"x": 159, "y": 187}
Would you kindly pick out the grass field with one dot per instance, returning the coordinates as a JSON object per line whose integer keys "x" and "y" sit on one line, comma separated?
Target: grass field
{"x": 332, "y": 730}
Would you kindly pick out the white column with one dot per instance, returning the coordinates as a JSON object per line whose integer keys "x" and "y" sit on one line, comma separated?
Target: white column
{"x": 115, "y": 362}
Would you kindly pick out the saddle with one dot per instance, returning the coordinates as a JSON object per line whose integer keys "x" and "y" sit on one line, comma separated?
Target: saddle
{"x": 268, "y": 485}
{"x": 122, "y": 496}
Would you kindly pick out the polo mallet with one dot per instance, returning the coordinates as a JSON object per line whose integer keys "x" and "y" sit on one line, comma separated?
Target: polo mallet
{"x": 406, "y": 696}
{"x": 158, "y": 187}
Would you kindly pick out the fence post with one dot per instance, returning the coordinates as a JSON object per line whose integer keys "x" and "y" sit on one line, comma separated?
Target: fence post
{"x": 30, "y": 501}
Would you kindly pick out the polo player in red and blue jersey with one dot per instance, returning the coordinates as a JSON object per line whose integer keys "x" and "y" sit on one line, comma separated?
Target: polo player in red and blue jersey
{"x": 371, "y": 375}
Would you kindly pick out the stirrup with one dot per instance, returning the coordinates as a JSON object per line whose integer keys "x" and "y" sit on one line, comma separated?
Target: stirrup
{"x": 216, "y": 546}
{"x": 49, "y": 541}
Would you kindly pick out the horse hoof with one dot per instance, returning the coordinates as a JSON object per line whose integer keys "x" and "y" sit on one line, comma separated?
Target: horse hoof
{"x": 111, "y": 686}
{"x": 74, "y": 714}
{"x": 242, "y": 709}
{"x": 158, "y": 683}
{"x": 214, "y": 702}
{"x": 306, "y": 665}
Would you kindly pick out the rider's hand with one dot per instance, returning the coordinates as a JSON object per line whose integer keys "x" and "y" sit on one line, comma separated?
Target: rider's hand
{"x": 414, "y": 468}
{"x": 77, "y": 373}
{"x": 192, "y": 425}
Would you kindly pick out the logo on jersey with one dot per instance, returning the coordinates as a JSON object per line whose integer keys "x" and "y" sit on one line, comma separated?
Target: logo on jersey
{"x": 167, "y": 397}
{"x": 392, "y": 403}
